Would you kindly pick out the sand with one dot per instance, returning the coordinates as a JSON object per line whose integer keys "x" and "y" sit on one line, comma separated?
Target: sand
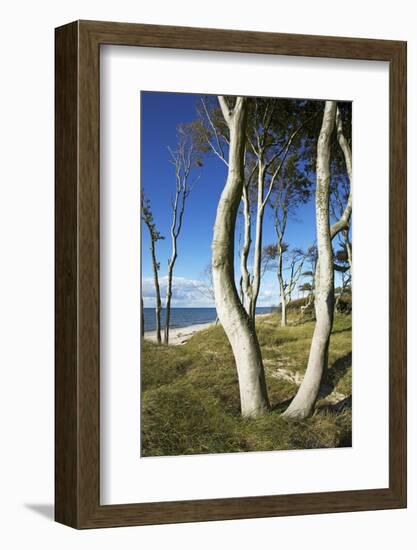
{"x": 181, "y": 335}
{"x": 178, "y": 336}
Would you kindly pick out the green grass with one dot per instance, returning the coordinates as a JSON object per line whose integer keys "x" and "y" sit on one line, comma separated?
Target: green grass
{"x": 190, "y": 396}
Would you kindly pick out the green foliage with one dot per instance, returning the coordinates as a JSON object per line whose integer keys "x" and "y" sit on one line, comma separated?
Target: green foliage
{"x": 147, "y": 217}
{"x": 270, "y": 251}
{"x": 344, "y": 304}
{"x": 190, "y": 395}
{"x": 341, "y": 255}
{"x": 309, "y": 149}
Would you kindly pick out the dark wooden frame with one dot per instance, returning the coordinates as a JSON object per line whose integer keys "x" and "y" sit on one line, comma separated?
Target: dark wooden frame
{"x": 77, "y": 274}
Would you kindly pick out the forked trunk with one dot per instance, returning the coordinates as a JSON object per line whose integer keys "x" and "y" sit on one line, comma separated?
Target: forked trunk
{"x": 183, "y": 159}
{"x": 168, "y": 303}
{"x": 237, "y": 324}
{"x": 303, "y": 403}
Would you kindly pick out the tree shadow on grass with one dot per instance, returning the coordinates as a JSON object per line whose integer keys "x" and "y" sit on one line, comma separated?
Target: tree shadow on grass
{"x": 341, "y": 330}
{"x": 281, "y": 406}
{"x": 338, "y": 407}
{"x": 329, "y": 383}
{"x": 334, "y": 408}
{"x": 334, "y": 374}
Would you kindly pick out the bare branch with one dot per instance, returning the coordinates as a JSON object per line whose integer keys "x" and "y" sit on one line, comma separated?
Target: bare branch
{"x": 219, "y": 151}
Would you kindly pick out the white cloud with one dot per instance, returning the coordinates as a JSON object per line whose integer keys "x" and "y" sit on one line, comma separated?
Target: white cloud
{"x": 268, "y": 295}
{"x": 185, "y": 292}
{"x": 196, "y": 293}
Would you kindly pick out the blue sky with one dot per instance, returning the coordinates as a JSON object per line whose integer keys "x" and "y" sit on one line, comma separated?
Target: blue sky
{"x": 160, "y": 114}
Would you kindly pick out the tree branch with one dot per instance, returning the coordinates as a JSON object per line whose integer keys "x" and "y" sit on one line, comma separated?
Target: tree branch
{"x": 219, "y": 151}
{"x": 344, "y": 221}
{"x": 227, "y": 112}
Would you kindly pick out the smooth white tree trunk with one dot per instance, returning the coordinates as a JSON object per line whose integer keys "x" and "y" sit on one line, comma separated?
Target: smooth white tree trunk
{"x": 257, "y": 256}
{"x": 171, "y": 265}
{"x": 168, "y": 301}
{"x": 251, "y": 286}
{"x": 252, "y": 290}
{"x": 183, "y": 159}
{"x": 303, "y": 403}
{"x": 247, "y": 241}
{"x": 237, "y": 325}
{"x": 283, "y": 312}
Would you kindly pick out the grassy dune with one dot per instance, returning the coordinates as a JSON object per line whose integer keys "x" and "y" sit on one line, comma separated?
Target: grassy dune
{"x": 190, "y": 396}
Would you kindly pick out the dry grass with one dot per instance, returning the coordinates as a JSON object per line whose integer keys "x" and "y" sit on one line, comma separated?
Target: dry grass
{"x": 190, "y": 397}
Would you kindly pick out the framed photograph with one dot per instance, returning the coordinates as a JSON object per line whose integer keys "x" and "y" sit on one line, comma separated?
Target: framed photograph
{"x": 230, "y": 274}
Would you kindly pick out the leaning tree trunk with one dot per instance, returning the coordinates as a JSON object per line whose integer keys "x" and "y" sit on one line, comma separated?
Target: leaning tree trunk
{"x": 171, "y": 262}
{"x": 256, "y": 283}
{"x": 303, "y": 403}
{"x": 169, "y": 297}
{"x": 157, "y": 292}
{"x": 237, "y": 325}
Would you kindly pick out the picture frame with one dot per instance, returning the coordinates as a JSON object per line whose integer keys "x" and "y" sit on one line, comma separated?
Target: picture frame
{"x": 77, "y": 336}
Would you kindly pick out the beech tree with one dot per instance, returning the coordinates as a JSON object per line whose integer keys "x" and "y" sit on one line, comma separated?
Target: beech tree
{"x": 274, "y": 127}
{"x": 274, "y": 257}
{"x": 237, "y": 324}
{"x": 309, "y": 285}
{"x": 184, "y": 159}
{"x": 303, "y": 403}
{"x": 154, "y": 236}
{"x": 291, "y": 190}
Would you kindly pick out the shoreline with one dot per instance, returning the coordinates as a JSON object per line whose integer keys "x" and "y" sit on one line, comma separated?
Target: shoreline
{"x": 178, "y": 335}
{"x": 181, "y": 335}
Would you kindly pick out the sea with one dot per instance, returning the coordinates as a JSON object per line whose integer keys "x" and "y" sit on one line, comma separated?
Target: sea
{"x": 187, "y": 316}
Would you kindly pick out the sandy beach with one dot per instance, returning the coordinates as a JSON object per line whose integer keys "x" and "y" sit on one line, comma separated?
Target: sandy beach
{"x": 181, "y": 335}
{"x": 178, "y": 336}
